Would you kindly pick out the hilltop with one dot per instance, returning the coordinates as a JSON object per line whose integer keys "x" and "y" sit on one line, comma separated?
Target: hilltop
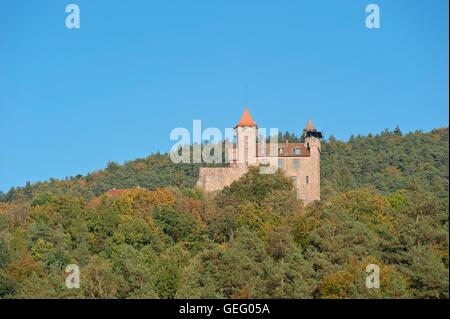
{"x": 386, "y": 161}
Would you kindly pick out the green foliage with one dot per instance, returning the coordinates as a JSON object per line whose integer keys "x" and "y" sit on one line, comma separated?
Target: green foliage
{"x": 388, "y": 162}
{"x": 254, "y": 187}
{"x": 180, "y": 227}
{"x": 153, "y": 172}
{"x": 385, "y": 202}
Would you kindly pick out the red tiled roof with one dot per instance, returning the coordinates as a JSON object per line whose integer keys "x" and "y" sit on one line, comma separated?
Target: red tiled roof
{"x": 113, "y": 193}
{"x": 116, "y": 192}
{"x": 246, "y": 119}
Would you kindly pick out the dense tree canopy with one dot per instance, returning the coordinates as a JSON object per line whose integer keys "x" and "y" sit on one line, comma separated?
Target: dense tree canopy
{"x": 142, "y": 230}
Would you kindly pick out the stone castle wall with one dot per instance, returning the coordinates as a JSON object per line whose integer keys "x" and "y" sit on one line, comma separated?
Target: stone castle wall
{"x": 307, "y": 173}
{"x": 216, "y": 178}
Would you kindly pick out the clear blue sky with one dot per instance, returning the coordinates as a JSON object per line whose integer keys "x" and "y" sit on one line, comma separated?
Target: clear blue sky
{"x": 72, "y": 100}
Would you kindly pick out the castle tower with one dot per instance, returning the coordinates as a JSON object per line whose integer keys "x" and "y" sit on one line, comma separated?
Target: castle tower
{"x": 312, "y": 137}
{"x": 246, "y": 133}
{"x": 312, "y": 142}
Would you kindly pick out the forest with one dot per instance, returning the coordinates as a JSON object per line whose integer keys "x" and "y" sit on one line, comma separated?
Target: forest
{"x": 142, "y": 229}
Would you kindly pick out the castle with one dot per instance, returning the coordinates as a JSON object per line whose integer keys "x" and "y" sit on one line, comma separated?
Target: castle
{"x": 299, "y": 161}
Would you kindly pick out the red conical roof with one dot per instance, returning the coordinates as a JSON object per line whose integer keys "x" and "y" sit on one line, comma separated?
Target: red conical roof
{"x": 246, "y": 119}
{"x": 310, "y": 126}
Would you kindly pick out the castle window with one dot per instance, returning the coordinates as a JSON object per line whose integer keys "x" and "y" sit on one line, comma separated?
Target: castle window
{"x": 307, "y": 179}
{"x": 296, "y": 163}
{"x": 280, "y": 151}
{"x": 294, "y": 180}
{"x": 281, "y": 163}
{"x": 298, "y": 151}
